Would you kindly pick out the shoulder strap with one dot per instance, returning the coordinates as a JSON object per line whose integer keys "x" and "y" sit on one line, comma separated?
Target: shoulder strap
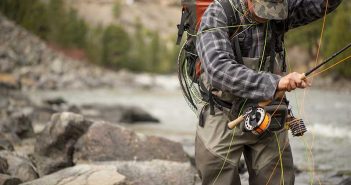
{"x": 232, "y": 16}
{"x": 233, "y": 19}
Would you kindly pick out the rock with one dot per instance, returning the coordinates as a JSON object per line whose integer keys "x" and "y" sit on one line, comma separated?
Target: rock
{"x": 83, "y": 175}
{"x": 55, "y": 144}
{"x": 19, "y": 166}
{"x": 136, "y": 114}
{"x": 8, "y": 180}
{"x": 154, "y": 172}
{"x": 297, "y": 170}
{"x": 3, "y": 165}
{"x": 342, "y": 173}
{"x": 19, "y": 124}
{"x": 118, "y": 113}
{"x": 346, "y": 181}
{"x": 5, "y": 144}
{"x": 105, "y": 141}
{"x": 55, "y": 101}
{"x": 8, "y": 81}
{"x": 7, "y": 140}
{"x": 242, "y": 166}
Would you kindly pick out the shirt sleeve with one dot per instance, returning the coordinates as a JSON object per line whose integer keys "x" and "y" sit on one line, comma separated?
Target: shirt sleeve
{"x": 302, "y": 12}
{"x": 218, "y": 62}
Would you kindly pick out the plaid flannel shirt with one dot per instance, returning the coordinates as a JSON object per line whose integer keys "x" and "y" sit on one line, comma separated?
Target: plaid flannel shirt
{"x": 214, "y": 48}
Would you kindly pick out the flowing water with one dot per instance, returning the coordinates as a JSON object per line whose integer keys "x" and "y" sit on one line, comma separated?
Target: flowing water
{"x": 327, "y": 116}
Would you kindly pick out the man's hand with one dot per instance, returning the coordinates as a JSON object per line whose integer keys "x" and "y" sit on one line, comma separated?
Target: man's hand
{"x": 292, "y": 81}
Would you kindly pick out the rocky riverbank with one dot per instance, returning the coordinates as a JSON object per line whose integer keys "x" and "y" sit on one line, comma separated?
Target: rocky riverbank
{"x": 72, "y": 149}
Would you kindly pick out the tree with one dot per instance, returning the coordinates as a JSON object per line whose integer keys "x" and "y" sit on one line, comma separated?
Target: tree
{"x": 116, "y": 45}
{"x": 337, "y": 36}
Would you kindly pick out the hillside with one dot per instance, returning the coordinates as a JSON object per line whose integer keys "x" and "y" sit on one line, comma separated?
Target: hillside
{"x": 161, "y": 15}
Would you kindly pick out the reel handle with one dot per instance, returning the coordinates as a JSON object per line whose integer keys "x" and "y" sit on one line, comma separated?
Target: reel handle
{"x": 236, "y": 122}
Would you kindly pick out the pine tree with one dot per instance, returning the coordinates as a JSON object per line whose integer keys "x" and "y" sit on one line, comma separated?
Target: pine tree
{"x": 338, "y": 36}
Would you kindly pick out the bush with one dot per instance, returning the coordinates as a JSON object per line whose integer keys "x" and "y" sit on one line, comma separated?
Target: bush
{"x": 115, "y": 47}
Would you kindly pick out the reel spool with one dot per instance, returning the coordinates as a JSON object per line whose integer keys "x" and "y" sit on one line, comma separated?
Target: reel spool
{"x": 297, "y": 127}
{"x": 257, "y": 120}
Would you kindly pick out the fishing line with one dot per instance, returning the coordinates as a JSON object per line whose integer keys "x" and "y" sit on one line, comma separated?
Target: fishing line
{"x": 276, "y": 165}
{"x": 189, "y": 91}
{"x": 240, "y": 112}
{"x": 330, "y": 67}
{"x": 280, "y": 158}
{"x": 307, "y": 149}
{"x": 230, "y": 146}
{"x": 316, "y": 63}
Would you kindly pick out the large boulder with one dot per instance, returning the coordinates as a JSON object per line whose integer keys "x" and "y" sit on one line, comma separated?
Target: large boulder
{"x": 117, "y": 173}
{"x": 55, "y": 144}
{"x": 18, "y": 166}
{"x": 83, "y": 175}
{"x": 104, "y": 141}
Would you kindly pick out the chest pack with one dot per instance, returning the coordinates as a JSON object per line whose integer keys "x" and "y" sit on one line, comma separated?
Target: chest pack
{"x": 190, "y": 75}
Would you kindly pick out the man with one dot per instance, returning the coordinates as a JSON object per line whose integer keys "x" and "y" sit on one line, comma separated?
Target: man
{"x": 256, "y": 77}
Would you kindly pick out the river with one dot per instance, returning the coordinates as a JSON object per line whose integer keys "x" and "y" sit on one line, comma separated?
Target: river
{"x": 327, "y": 115}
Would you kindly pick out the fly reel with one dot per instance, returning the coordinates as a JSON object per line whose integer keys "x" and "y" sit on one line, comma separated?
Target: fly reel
{"x": 257, "y": 120}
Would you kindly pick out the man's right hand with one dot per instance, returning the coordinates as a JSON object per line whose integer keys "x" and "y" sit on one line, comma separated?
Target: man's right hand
{"x": 292, "y": 81}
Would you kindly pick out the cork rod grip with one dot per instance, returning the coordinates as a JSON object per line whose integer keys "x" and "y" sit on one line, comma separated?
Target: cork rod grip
{"x": 236, "y": 122}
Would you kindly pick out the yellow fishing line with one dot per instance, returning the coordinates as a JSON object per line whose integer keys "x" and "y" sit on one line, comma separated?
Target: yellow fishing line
{"x": 328, "y": 68}
{"x": 309, "y": 157}
{"x": 230, "y": 146}
{"x": 217, "y": 28}
{"x": 264, "y": 47}
{"x": 281, "y": 159}
{"x": 276, "y": 165}
{"x": 240, "y": 112}
{"x": 316, "y": 63}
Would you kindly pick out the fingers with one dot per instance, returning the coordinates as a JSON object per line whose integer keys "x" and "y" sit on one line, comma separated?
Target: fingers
{"x": 293, "y": 81}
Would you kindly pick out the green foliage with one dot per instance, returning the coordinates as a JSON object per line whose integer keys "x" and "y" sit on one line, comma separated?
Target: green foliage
{"x": 305, "y": 36}
{"x": 115, "y": 44}
{"x": 337, "y": 37}
{"x": 31, "y": 14}
{"x": 143, "y": 51}
{"x": 93, "y": 46}
{"x": 117, "y": 8}
{"x": 66, "y": 28}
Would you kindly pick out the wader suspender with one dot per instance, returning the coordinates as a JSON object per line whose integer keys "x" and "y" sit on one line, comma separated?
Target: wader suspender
{"x": 232, "y": 19}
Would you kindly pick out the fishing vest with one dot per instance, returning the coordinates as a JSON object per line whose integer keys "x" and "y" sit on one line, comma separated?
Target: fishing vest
{"x": 273, "y": 60}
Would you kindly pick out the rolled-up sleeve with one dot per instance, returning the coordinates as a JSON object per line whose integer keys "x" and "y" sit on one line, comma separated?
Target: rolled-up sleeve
{"x": 219, "y": 64}
{"x": 302, "y": 12}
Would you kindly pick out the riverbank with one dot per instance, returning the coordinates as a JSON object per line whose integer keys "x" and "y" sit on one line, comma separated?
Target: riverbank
{"x": 327, "y": 125}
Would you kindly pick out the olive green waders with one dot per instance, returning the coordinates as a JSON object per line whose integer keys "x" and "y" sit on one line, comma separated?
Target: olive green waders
{"x": 261, "y": 153}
